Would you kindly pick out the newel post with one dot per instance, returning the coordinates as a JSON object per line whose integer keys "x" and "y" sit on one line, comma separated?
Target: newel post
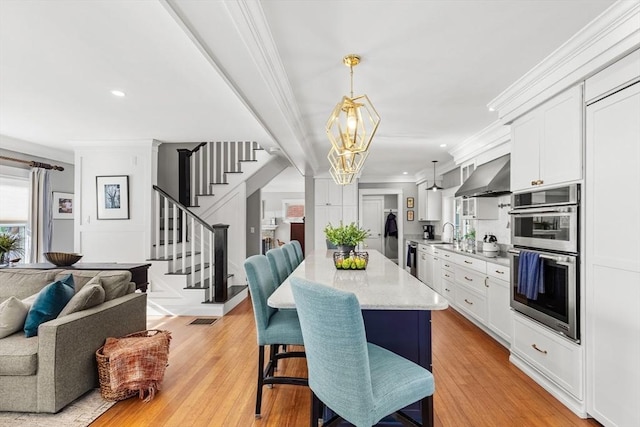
{"x": 220, "y": 258}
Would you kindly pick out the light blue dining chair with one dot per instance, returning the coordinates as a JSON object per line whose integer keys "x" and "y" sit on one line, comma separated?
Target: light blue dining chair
{"x": 359, "y": 381}
{"x": 298, "y": 247}
{"x": 274, "y": 327}
{"x": 290, "y": 253}
{"x": 280, "y": 267}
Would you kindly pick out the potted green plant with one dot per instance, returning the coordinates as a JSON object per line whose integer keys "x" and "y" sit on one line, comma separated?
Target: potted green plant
{"x": 345, "y": 237}
{"x": 10, "y": 247}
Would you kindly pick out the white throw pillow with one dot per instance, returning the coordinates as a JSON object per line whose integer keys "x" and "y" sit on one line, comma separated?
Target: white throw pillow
{"x": 87, "y": 297}
{"x": 13, "y": 313}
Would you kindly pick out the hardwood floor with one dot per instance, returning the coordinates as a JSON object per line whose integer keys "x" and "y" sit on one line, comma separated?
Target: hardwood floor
{"x": 211, "y": 381}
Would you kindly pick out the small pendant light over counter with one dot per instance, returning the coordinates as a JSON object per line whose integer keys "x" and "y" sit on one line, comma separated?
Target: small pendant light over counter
{"x": 434, "y": 187}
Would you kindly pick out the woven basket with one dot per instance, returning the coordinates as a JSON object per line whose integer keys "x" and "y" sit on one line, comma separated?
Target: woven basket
{"x": 103, "y": 370}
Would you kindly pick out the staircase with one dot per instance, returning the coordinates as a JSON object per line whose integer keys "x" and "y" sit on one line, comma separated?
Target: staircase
{"x": 197, "y": 268}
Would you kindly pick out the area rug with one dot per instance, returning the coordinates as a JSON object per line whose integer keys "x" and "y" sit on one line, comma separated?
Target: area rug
{"x": 79, "y": 413}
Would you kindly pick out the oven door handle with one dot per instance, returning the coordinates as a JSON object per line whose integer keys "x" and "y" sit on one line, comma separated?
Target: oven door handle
{"x": 562, "y": 260}
{"x": 559, "y": 209}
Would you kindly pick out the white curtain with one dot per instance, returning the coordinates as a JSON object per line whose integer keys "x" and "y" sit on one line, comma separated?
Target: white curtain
{"x": 40, "y": 224}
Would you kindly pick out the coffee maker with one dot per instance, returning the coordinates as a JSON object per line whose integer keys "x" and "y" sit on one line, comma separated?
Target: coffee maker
{"x": 427, "y": 232}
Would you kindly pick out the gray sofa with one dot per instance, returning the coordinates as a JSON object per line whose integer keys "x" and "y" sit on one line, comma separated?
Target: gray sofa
{"x": 46, "y": 372}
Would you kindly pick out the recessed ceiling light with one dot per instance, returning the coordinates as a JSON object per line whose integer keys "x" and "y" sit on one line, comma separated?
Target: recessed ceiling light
{"x": 491, "y": 109}
{"x": 443, "y": 145}
{"x": 117, "y": 93}
{"x": 405, "y": 173}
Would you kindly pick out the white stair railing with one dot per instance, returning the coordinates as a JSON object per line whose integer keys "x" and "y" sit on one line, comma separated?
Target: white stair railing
{"x": 179, "y": 234}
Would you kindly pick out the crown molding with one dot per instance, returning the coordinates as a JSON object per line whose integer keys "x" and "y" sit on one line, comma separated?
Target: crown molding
{"x": 612, "y": 35}
{"x": 488, "y": 138}
{"x": 37, "y": 150}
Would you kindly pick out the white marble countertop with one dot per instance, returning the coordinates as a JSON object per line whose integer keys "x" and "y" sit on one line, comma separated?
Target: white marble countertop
{"x": 382, "y": 286}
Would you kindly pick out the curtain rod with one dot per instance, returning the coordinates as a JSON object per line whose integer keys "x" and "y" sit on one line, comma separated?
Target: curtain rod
{"x": 34, "y": 164}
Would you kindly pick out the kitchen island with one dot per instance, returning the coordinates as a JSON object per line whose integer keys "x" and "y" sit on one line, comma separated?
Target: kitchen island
{"x": 396, "y": 306}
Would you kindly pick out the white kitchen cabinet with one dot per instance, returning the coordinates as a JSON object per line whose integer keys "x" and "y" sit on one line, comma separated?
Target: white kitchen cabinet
{"x": 429, "y": 204}
{"x": 546, "y": 143}
{"x": 449, "y": 290}
{"x": 323, "y": 216}
{"x": 499, "y": 314}
{"x": 437, "y": 276}
{"x": 333, "y": 203}
{"x": 422, "y": 263}
{"x": 557, "y": 358}
{"x": 471, "y": 302}
{"x": 612, "y": 271}
{"x": 327, "y": 193}
{"x": 480, "y": 208}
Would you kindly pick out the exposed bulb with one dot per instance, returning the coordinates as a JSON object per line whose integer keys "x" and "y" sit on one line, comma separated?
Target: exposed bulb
{"x": 352, "y": 119}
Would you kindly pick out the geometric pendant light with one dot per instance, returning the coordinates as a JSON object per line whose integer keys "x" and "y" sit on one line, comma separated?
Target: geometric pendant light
{"x": 350, "y": 128}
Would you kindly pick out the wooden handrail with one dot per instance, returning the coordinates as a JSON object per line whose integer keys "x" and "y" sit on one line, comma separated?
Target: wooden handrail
{"x": 184, "y": 208}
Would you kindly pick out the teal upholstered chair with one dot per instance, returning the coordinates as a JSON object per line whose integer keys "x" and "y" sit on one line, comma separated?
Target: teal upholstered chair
{"x": 291, "y": 255}
{"x": 359, "y": 381}
{"x": 298, "y": 247}
{"x": 274, "y": 327}
{"x": 280, "y": 267}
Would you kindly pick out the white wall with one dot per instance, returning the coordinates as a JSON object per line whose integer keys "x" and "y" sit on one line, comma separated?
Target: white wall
{"x": 122, "y": 240}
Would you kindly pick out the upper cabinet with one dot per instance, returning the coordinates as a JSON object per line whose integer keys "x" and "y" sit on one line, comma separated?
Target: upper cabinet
{"x": 327, "y": 193}
{"x": 429, "y": 204}
{"x": 547, "y": 143}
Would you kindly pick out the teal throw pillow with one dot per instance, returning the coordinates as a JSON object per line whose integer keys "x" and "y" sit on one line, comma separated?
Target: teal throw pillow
{"x": 48, "y": 304}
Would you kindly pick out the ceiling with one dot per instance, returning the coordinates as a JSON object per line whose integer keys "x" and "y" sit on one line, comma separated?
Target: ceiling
{"x": 271, "y": 70}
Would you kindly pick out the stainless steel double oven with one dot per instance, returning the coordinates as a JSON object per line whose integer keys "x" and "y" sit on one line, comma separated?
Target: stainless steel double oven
{"x": 545, "y": 228}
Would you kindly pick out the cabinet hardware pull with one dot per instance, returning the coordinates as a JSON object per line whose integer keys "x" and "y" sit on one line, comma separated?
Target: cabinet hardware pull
{"x": 535, "y": 347}
{"x": 470, "y": 303}
{"x": 446, "y": 275}
{"x": 447, "y": 265}
{"x": 540, "y": 182}
{"x": 533, "y": 182}
{"x": 446, "y": 289}
{"x": 468, "y": 262}
{"x": 435, "y": 258}
{"x": 471, "y": 280}
{"x": 499, "y": 272}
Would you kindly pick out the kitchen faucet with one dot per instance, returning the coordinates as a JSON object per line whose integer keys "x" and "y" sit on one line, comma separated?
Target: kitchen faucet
{"x": 453, "y": 230}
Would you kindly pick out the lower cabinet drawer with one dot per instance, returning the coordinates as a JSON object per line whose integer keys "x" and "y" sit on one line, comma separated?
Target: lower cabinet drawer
{"x": 470, "y": 278}
{"x": 559, "y": 359}
{"x": 449, "y": 290}
{"x": 448, "y": 275}
{"x": 447, "y": 264}
{"x": 471, "y": 303}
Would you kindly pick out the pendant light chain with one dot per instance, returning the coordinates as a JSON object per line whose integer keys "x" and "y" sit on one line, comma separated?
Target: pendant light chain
{"x": 351, "y": 68}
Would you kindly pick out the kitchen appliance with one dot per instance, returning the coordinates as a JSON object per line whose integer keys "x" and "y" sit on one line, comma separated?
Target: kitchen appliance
{"x": 412, "y": 258}
{"x": 545, "y": 259}
{"x": 489, "y": 179}
{"x": 546, "y": 219}
{"x": 490, "y": 245}
{"x": 557, "y": 307}
{"x": 427, "y": 232}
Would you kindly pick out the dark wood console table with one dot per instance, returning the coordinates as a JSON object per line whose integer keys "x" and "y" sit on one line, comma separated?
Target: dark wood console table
{"x": 139, "y": 272}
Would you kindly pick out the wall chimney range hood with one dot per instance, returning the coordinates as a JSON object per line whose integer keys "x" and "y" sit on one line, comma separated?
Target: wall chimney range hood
{"x": 489, "y": 179}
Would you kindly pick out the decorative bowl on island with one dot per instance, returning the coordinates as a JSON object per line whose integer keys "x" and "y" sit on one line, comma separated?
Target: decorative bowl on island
{"x": 62, "y": 259}
{"x": 351, "y": 261}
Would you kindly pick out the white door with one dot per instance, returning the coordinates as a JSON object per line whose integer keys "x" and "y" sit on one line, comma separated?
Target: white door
{"x": 372, "y": 220}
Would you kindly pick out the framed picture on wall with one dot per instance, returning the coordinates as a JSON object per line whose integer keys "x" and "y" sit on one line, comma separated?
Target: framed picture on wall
{"x": 112, "y": 195}
{"x": 62, "y": 205}
{"x": 410, "y": 202}
{"x": 409, "y": 215}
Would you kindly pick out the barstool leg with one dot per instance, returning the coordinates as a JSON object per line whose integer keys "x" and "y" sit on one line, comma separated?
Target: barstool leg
{"x": 260, "y": 380}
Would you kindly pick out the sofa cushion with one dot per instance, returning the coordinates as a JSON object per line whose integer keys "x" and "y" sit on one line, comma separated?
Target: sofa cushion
{"x": 89, "y": 296}
{"x": 116, "y": 283}
{"x": 22, "y": 283}
{"x": 48, "y": 304}
{"x": 13, "y": 313}
{"x": 19, "y": 355}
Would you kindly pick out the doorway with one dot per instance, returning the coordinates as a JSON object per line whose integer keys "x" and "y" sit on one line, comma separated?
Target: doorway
{"x": 390, "y": 246}
{"x": 372, "y": 220}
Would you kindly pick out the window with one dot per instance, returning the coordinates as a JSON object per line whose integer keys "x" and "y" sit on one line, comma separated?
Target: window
{"x": 14, "y": 201}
